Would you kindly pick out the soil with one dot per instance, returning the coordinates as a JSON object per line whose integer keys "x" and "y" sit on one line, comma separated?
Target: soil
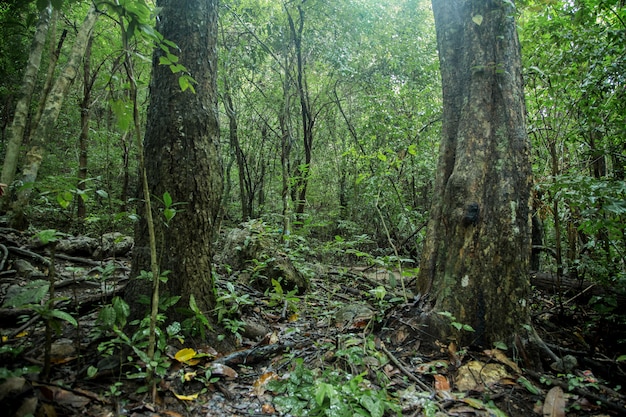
{"x": 340, "y": 313}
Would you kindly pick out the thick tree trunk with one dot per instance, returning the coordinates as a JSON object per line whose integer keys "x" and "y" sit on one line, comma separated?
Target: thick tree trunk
{"x": 20, "y": 118}
{"x": 52, "y": 108}
{"x": 182, "y": 156}
{"x": 475, "y": 260}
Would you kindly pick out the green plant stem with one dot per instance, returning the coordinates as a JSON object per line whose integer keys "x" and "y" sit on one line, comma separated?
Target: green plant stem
{"x": 48, "y": 343}
{"x": 395, "y": 250}
{"x": 154, "y": 265}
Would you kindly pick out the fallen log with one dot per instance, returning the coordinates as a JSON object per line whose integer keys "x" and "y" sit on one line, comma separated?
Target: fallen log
{"x": 578, "y": 289}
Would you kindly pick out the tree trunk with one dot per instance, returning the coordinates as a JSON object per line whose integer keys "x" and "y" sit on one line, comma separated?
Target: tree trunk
{"x": 244, "y": 188}
{"x": 83, "y": 146}
{"x": 18, "y": 126}
{"x": 52, "y": 108}
{"x": 183, "y": 158}
{"x": 302, "y": 172}
{"x": 475, "y": 259}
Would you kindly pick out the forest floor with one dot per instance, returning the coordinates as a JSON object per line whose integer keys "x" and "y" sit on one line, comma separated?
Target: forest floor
{"x": 350, "y": 345}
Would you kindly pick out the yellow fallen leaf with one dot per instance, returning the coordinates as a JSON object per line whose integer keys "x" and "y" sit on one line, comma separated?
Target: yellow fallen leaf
{"x": 189, "y": 376}
{"x": 186, "y": 397}
{"x": 186, "y": 356}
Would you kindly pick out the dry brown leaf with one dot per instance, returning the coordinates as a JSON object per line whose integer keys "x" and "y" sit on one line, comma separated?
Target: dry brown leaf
{"x": 258, "y": 387}
{"x": 172, "y": 413}
{"x": 475, "y": 375}
{"x": 268, "y": 409}
{"x": 454, "y": 358}
{"x": 501, "y": 357}
{"x": 441, "y": 383}
{"x": 554, "y": 404}
{"x": 223, "y": 370}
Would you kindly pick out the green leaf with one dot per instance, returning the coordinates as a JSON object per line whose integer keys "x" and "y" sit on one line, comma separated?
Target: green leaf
{"x": 64, "y": 316}
{"x": 47, "y": 236}
{"x": 164, "y": 61}
{"x": 64, "y": 198}
{"x": 107, "y": 315}
{"x": 92, "y": 371}
{"x": 32, "y": 293}
{"x": 478, "y": 19}
{"x": 167, "y": 199}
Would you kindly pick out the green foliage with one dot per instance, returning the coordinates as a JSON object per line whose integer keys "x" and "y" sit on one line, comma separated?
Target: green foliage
{"x": 229, "y": 302}
{"x": 112, "y": 321}
{"x": 279, "y": 297}
{"x": 306, "y": 392}
{"x": 454, "y": 323}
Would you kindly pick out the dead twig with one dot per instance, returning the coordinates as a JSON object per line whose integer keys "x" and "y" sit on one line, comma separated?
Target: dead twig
{"x": 405, "y": 371}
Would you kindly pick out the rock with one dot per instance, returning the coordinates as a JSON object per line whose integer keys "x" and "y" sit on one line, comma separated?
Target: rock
{"x": 113, "y": 245}
{"x": 26, "y": 269}
{"x": 78, "y": 246}
{"x": 352, "y": 316}
{"x": 256, "y": 251}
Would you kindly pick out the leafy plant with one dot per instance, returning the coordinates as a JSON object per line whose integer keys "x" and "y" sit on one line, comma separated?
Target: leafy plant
{"x": 278, "y": 296}
{"x": 454, "y": 323}
{"x": 306, "y": 392}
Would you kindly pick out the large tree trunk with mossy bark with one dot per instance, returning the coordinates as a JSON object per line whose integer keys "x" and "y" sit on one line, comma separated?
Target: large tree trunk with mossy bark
{"x": 182, "y": 158}
{"x": 476, "y": 257}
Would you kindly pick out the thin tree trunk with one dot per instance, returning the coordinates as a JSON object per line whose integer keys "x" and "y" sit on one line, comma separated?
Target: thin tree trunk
{"x": 18, "y": 126}
{"x": 244, "y": 189}
{"x": 302, "y": 173}
{"x": 85, "y": 113}
{"x": 53, "y": 105}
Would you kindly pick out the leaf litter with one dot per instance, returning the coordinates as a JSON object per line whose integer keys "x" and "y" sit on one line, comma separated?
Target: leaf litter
{"x": 339, "y": 330}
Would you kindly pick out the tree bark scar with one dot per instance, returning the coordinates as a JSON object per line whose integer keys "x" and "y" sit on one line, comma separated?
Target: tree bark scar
{"x": 472, "y": 214}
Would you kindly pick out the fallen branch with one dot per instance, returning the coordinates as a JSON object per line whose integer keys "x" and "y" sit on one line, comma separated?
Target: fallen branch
{"x": 405, "y": 371}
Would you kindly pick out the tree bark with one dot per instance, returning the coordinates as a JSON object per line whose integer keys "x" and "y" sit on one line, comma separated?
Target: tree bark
{"x": 20, "y": 118}
{"x": 52, "y": 108}
{"x": 83, "y": 140}
{"x": 182, "y": 157}
{"x": 475, "y": 259}
{"x": 302, "y": 172}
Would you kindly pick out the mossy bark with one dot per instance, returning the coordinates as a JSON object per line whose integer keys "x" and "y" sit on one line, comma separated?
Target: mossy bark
{"x": 475, "y": 260}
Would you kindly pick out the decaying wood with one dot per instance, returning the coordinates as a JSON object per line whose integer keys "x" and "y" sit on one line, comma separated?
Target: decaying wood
{"x": 258, "y": 354}
{"x": 576, "y": 287}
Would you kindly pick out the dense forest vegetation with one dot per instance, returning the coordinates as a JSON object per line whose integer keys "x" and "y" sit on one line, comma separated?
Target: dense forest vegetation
{"x": 328, "y": 121}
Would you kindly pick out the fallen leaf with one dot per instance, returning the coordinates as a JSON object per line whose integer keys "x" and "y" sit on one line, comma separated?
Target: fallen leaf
{"x": 268, "y": 409}
{"x": 475, "y": 375}
{"x": 501, "y": 357}
{"x": 187, "y": 356}
{"x": 441, "y": 383}
{"x": 478, "y": 19}
{"x": 186, "y": 397}
{"x": 554, "y": 404}
{"x": 258, "y": 386}
{"x": 171, "y": 413}
{"x": 223, "y": 370}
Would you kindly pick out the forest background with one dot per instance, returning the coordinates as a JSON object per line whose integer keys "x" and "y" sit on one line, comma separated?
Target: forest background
{"x": 329, "y": 128}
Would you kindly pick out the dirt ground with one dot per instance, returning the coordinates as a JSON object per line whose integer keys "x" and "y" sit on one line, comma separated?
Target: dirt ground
{"x": 345, "y": 322}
